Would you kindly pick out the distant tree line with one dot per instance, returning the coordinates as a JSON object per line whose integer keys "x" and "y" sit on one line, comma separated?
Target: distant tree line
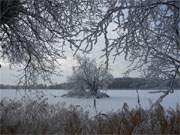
{"x": 142, "y": 83}
{"x": 117, "y": 83}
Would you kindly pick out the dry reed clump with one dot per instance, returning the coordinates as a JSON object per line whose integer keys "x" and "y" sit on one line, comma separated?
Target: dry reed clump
{"x": 38, "y": 117}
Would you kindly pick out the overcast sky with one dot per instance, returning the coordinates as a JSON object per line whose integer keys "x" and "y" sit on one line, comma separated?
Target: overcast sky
{"x": 8, "y": 75}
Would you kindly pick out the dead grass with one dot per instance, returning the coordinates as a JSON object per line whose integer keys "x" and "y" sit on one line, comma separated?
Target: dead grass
{"x": 38, "y": 117}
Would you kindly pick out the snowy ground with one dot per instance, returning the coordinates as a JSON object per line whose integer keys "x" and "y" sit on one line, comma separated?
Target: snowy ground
{"x": 115, "y": 102}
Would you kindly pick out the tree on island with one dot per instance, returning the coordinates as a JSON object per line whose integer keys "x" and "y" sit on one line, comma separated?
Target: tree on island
{"x": 88, "y": 77}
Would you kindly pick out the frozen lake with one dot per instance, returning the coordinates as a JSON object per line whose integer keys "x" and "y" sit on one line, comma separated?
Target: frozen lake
{"x": 115, "y": 102}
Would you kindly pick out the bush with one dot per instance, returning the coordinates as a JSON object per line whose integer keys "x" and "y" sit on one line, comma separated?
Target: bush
{"x": 38, "y": 117}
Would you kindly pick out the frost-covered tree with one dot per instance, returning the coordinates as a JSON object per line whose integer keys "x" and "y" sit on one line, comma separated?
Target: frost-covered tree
{"x": 145, "y": 31}
{"x": 33, "y": 33}
{"x": 87, "y": 75}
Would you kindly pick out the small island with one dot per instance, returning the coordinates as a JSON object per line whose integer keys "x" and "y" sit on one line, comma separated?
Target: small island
{"x": 85, "y": 94}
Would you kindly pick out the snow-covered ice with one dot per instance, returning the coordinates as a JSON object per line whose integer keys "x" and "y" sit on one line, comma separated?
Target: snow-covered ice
{"x": 104, "y": 105}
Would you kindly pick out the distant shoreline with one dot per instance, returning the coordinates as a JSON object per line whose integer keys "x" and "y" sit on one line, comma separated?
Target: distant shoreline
{"x": 117, "y": 84}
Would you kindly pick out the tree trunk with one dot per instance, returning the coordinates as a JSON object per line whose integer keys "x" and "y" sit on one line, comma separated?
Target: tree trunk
{"x": 94, "y": 91}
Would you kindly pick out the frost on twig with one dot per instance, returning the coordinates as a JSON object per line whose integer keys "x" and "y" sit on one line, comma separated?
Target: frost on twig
{"x": 167, "y": 92}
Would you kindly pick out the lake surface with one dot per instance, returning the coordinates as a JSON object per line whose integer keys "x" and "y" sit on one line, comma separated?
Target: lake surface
{"x": 114, "y": 103}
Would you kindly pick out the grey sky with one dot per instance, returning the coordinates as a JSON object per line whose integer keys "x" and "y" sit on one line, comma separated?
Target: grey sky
{"x": 9, "y": 75}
